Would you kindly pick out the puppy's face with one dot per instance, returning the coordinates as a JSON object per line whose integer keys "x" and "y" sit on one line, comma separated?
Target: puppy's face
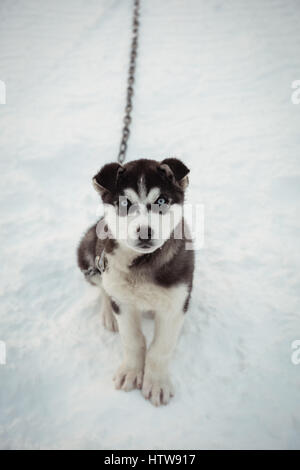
{"x": 143, "y": 200}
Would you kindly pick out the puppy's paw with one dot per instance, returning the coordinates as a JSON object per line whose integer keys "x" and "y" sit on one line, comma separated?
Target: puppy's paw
{"x": 128, "y": 378}
{"x": 109, "y": 320}
{"x": 157, "y": 388}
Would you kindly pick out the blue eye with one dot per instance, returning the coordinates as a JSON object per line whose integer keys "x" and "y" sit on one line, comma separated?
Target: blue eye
{"x": 160, "y": 201}
{"x": 124, "y": 202}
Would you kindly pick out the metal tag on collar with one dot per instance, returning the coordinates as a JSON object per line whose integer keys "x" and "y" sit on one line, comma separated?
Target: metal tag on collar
{"x": 100, "y": 262}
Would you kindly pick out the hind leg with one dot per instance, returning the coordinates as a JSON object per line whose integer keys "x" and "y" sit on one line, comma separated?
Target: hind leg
{"x": 108, "y": 317}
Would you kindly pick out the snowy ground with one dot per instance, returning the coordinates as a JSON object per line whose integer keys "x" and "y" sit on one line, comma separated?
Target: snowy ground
{"x": 213, "y": 87}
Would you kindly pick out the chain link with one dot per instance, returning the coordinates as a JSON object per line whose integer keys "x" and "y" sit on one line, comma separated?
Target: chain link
{"x": 130, "y": 81}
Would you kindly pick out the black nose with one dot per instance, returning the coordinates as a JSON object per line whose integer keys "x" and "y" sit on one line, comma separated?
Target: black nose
{"x": 145, "y": 233}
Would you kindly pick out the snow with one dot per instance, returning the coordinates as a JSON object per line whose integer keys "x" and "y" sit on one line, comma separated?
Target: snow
{"x": 214, "y": 86}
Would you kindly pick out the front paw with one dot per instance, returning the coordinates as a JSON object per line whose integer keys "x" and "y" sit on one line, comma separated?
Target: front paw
{"x": 128, "y": 378}
{"x": 157, "y": 387}
{"x": 109, "y": 321}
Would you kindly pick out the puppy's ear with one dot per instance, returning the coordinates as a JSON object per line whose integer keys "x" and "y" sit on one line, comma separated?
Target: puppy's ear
{"x": 106, "y": 179}
{"x": 175, "y": 167}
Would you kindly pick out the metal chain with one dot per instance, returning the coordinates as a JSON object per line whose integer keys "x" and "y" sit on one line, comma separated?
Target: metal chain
{"x": 130, "y": 81}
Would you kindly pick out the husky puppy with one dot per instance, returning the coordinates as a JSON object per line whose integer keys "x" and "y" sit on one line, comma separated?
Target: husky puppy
{"x": 137, "y": 254}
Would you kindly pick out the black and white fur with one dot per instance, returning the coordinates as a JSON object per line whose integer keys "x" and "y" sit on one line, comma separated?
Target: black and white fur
{"x": 147, "y": 267}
